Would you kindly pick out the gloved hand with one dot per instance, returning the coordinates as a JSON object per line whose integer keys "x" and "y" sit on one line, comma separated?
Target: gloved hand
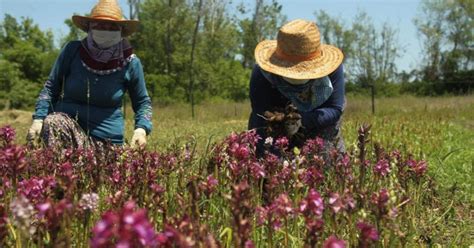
{"x": 34, "y": 131}
{"x": 138, "y": 138}
{"x": 292, "y": 126}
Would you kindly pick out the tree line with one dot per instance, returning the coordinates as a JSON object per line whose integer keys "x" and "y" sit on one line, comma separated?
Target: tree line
{"x": 194, "y": 50}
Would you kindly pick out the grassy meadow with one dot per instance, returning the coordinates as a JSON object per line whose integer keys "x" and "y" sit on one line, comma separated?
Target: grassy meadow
{"x": 440, "y": 130}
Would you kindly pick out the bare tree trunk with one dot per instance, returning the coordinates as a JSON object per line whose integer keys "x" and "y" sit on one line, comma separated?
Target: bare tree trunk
{"x": 168, "y": 40}
{"x": 255, "y": 20}
{"x": 134, "y": 7}
{"x": 193, "y": 48}
{"x": 255, "y": 34}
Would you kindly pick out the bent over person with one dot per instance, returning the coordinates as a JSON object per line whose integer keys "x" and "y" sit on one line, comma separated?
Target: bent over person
{"x": 297, "y": 83}
{"x": 81, "y": 102}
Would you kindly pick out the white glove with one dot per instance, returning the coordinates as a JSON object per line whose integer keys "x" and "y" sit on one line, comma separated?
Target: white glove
{"x": 34, "y": 131}
{"x": 138, "y": 138}
{"x": 292, "y": 127}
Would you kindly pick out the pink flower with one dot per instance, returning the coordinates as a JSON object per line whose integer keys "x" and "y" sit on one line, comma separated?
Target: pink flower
{"x": 335, "y": 202}
{"x": 368, "y": 234}
{"x": 36, "y": 189}
{"x": 209, "y": 185}
{"x": 126, "y": 228}
{"x": 311, "y": 176}
{"x": 349, "y": 202}
{"x": 257, "y": 170}
{"x": 250, "y": 137}
{"x": 53, "y": 213}
{"x": 249, "y": 244}
{"x": 333, "y": 242}
{"x": 279, "y": 209}
{"x": 7, "y": 135}
{"x": 417, "y": 167}
{"x": 243, "y": 152}
{"x": 382, "y": 167}
{"x": 262, "y": 215}
{"x": 12, "y": 160}
{"x": 312, "y": 204}
{"x": 381, "y": 201}
{"x": 313, "y": 146}
{"x": 282, "y": 205}
{"x": 282, "y": 143}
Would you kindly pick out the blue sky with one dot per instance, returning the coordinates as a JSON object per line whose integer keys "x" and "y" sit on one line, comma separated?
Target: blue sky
{"x": 50, "y": 14}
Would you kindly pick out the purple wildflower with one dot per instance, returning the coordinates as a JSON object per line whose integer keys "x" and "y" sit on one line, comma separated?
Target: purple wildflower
{"x": 312, "y": 204}
{"x": 127, "y": 228}
{"x": 381, "y": 200}
{"x": 313, "y": 146}
{"x": 417, "y": 167}
{"x": 282, "y": 143}
{"x": 257, "y": 170}
{"x": 368, "y": 234}
{"x": 281, "y": 207}
{"x": 209, "y": 185}
{"x": 382, "y": 167}
{"x": 335, "y": 202}
{"x": 36, "y": 189}
{"x": 311, "y": 176}
{"x": 334, "y": 242}
{"x": 349, "y": 202}
{"x": 12, "y": 160}
{"x": 53, "y": 213}
{"x": 7, "y": 135}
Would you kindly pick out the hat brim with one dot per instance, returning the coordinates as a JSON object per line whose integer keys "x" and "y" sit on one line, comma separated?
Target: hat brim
{"x": 321, "y": 66}
{"x": 128, "y": 26}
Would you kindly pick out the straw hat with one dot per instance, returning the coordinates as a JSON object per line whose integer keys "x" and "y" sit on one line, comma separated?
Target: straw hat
{"x": 298, "y": 53}
{"x": 106, "y": 11}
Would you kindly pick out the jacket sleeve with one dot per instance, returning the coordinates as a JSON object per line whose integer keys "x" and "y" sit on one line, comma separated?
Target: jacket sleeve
{"x": 141, "y": 102}
{"x": 331, "y": 110}
{"x": 263, "y": 97}
{"x": 51, "y": 91}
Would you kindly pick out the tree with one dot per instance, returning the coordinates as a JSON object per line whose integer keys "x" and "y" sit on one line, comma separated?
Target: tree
{"x": 445, "y": 29}
{"x": 27, "y": 54}
{"x": 191, "y": 60}
{"x": 369, "y": 52}
{"x": 75, "y": 33}
{"x": 264, "y": 24}
{"x": 334, "y": 32}
{"x": 134, "y": 9}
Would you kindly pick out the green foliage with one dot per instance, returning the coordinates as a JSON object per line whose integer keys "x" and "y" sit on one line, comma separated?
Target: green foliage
{"x": 369, "y": 52}
{"x": 446, "y": 32}
{"x": 25, "y": 94}
{"x": 225, "y": 44}
{"x": 221, "y": 60}
{"x": 27, "y": 54}
{"x": 75, "y": 33}
{"x": 264, "y": 24}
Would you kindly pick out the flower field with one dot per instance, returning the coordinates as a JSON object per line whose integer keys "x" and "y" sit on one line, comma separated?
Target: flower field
{"x": 404, "y": 181}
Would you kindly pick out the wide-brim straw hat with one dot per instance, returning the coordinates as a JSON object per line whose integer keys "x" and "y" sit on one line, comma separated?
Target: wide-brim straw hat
{"x": 298, "y": 53}
{"x": 106, "y": 11}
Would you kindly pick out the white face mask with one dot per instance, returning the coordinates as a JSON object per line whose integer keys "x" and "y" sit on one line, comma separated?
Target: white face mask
{"x": 105, "y": 39}
{"x": 296, "y": 81}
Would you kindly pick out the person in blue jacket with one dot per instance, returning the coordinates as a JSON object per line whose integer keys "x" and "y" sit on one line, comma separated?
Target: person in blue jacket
{"x": 297, "y": 69}
{"x": 80, "y": 104}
